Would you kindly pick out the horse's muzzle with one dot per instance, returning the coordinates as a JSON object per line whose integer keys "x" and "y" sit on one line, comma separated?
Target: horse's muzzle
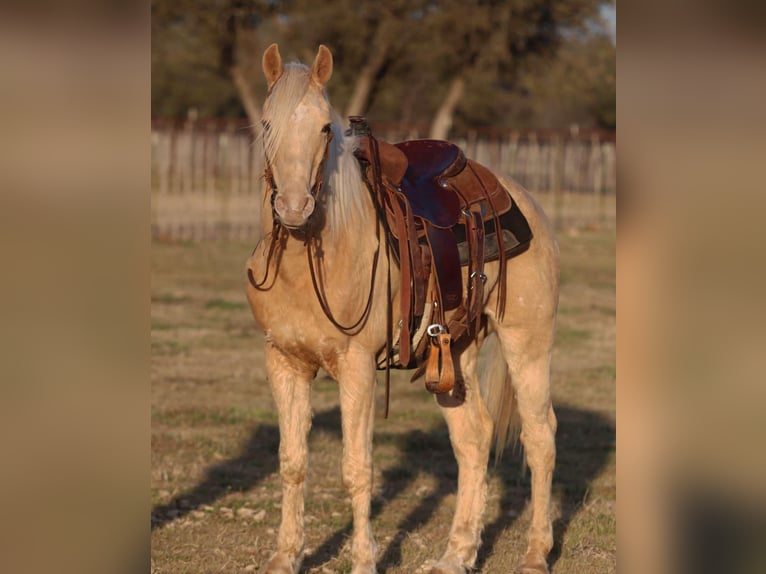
{"x": 292, "y": 213}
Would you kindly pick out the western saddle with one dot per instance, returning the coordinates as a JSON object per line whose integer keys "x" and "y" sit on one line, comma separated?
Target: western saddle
{"x": 442, "y": 213}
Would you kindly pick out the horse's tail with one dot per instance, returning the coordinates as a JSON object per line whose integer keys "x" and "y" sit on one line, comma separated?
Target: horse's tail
{"x": 499, "y": 396}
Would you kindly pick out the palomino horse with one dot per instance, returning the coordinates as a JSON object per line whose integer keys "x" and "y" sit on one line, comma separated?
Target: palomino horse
{"x": 314, "y": 187}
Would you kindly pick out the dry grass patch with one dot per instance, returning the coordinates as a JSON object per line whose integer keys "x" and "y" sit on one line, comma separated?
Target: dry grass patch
{"x": 215, "y": 486}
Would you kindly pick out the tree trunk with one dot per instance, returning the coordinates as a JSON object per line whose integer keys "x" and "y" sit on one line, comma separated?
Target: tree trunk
{"x": 442, "y": 122}
{"x": 360, "y": 98}
{"x": 246, "y": 95}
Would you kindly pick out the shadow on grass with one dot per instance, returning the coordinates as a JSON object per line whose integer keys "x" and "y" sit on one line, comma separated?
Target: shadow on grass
{"x": 257, "y": 460}
{"x": 584, "y": 442}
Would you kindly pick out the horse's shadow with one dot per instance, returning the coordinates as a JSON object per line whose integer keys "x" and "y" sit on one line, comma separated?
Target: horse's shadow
{"x": 257, "y": 460}
{"x": 584, "y": 442}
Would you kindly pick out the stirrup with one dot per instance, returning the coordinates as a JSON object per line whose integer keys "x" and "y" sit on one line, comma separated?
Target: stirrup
{"x": 440, "y": 381}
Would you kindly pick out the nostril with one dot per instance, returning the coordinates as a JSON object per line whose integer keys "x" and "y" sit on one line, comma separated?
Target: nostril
{"x": 308, "y": 206}
{"x": 293, "y": 208}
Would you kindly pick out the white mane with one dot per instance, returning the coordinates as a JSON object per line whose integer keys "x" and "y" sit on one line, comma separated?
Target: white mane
{"x": 342, "y": 192}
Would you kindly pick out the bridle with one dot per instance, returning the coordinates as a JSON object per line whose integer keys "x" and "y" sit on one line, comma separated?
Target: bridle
{"x": 312, "y": 242}
{"x": 277, "y": 234}
{"x": 316, "y": 189}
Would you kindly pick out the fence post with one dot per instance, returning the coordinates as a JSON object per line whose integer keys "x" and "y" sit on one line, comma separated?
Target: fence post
{"x": 156, "y": 183}
{"x": 192, "y": 128}
{"x": 223, "y": 181}
{"x": 558, "y": 174}
{"x": 532, "y": 161}
{"x": 597, "y": 164}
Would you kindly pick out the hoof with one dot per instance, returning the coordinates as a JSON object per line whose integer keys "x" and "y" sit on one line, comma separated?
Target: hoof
{"x": 281, "y": 564}
{"x": 445, "y": 568}
{"x": 534, "y": 568}
{"x": 364, "y": 569}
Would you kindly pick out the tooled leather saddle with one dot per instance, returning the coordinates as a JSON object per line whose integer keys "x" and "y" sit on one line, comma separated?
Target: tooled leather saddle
{"x": 443, "y": 213}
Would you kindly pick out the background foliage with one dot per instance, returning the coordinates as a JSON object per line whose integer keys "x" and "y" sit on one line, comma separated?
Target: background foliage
{"x": 443, "y": 63}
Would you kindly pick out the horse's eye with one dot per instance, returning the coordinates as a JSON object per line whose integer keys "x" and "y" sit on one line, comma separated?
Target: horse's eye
{"x": 326, "y": 129}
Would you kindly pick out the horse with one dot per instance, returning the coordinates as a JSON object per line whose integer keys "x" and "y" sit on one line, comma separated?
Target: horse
{"x": 313, "y": 187}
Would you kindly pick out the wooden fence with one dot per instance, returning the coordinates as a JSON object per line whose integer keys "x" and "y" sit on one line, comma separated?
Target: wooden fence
{"x": 205, "y": 184}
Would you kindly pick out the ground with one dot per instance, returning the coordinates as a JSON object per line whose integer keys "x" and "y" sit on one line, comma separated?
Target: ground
{"x": 215, "y": 487}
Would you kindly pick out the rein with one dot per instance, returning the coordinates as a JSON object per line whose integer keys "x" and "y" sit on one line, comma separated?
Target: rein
{"x": 313, "y": 248}
{"x": 313, "y": 251}
{"x": 312, "y": 245}
{"x": 277, "y": 227}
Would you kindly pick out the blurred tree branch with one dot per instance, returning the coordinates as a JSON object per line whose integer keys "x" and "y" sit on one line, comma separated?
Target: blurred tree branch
{"x": 447, "y": 63}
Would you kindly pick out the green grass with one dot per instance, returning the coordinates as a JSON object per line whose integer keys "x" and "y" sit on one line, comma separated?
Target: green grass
{"x": 193, "y": 417}
{"x": 225, "y": 305}
{"x": 567, "y": 336}
{"x": 601, "y": 373}
{"x": 171, "y": 348}
{"x": 169, "y": 299}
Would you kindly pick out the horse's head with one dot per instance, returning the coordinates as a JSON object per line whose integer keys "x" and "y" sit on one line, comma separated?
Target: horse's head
{"x": 297, "y": 130}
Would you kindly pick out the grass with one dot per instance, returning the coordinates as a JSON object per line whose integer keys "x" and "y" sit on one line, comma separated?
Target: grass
{"x": 215, "y": 435}
{"x": 225, "y": 305}
{"x": 196, "y": 417}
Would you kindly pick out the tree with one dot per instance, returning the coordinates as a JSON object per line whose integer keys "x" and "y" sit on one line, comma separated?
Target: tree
{"x": 217, "y": 41}
{"x": 446, "y": 64}
{"x": 578, "y": 86}
{"x": 382, "y": 41}
{"x": 366, "y": 36}
{"x": 478, "y": 35}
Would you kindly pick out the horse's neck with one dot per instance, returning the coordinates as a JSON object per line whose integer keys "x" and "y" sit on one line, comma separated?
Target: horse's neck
{"x": 352, "y": 240}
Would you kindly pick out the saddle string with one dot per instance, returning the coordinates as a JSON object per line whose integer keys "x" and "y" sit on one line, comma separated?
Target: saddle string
{"x": 380, "y": 202}
{"x": 501, "y": 295}
{"x": 378, "y": 177}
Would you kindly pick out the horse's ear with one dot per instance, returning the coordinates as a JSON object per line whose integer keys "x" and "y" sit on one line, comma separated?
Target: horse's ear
{"x": 321, "y": 70}
{"x": 272, "y": 64}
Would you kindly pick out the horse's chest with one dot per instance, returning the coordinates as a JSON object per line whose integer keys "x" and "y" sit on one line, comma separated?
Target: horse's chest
{"x": 289, "y": 311}
{"x": 287, "y": 316}
{"x": 291, "y": 320}
{"x": 306, "y": 343}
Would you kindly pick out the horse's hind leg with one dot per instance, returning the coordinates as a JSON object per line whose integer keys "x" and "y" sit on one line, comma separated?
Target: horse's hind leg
{"x": 528, "y": 356}
{"x": 290, "y": 386}
{"x": 470, "y": 431}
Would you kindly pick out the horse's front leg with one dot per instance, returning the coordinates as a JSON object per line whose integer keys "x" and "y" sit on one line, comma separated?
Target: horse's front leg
{"x": 356, "y": 379}
{"x": 290, "y": 385}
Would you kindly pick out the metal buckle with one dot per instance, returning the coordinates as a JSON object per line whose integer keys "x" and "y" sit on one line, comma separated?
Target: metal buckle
{"x": 480, "y": 275}
{"x": 434, "y": 330}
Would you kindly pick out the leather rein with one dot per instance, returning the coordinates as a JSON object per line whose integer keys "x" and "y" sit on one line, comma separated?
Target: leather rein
{"x": 313, "y": 246}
